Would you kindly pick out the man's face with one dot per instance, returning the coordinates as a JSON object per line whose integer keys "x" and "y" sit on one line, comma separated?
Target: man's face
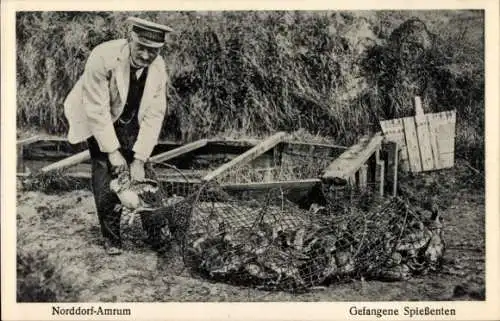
{"x": 142, "y": 56}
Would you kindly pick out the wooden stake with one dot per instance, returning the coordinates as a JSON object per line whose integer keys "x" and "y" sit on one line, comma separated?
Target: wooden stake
{"x": 380, "y": 176}
{"x": 418, "y": 106}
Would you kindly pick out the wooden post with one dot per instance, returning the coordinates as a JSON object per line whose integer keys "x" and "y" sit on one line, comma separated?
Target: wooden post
{"x": 248, "y": 156}
{"x": 268, "y": 177}
{"x": 363, "y": 176}
{"x": 392, "y": 150}
{"x": 380, "y": 172}
{"x": 352, "y": 180}
{"x": 418, "y": 106}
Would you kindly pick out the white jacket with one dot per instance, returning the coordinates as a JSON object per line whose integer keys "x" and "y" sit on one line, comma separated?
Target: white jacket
{"x": 98, "y": 98}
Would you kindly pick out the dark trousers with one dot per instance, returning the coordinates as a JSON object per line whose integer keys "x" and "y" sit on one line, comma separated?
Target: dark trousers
{"x": 107, "y": 203}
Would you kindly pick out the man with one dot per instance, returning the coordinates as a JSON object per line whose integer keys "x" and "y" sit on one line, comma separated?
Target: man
{"x": 118, "y": 106}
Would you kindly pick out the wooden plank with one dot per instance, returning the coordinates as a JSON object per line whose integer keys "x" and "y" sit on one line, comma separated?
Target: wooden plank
{"x": 363, "y": 176}
{"x": 447, "y": 145}
{"x": 52, "y": 150}
{"x": 443, "y": 127}
{"x": 84, "y": 175}
{"x": 82, "y": 178}
{"x": 424, "y": 142}
{"x": 286, "y": 160}
{"x": 394, "y": 131}
{"x": 178, "y": 151}
{"x": 166, "y": 172}
{"x": 380, "y": 177}
{"x": 352, "y": 180}
{"x": 391, "y": 149}
{"x": 295, "y": 184}
{"x": 29, "y": 140}
{"x": 332, "y": 146}
{"x": 433, "y": 137}
{"x": 248, "y": 156}
{"x": 412, "y": 144}
{"x": 248, "y": 142}
{"x": 67, "y": 162}
{"x": 267, "y": 164}
{"x": 419, "y": 111}
{"x": 20, "y": 150}
{"x": 349, "y": 162}
{"x": 317, "y": 151}
{"x": 87, "y": 176}
{"x": 434, "y": 125}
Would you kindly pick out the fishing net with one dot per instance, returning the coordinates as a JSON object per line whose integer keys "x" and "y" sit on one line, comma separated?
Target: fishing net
{"x": 268, "y": 242}
{"x": 271, "y": 243}
{"x": 265, "y": 240}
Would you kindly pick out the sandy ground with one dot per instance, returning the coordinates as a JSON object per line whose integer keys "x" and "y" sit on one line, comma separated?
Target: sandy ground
{"x": 65, "y": 227}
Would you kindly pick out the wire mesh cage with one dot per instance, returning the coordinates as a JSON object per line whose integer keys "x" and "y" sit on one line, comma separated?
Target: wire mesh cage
{"x": 268, "y": 242}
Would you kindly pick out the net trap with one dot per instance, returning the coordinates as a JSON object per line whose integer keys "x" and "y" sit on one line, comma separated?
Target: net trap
{"x": 275, "y": 214}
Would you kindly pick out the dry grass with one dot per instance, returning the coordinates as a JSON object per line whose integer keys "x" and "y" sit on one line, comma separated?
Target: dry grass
{"x": 325, "y": 73}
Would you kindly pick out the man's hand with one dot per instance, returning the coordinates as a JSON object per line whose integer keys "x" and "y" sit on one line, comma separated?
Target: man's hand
{"x": 118, "y": 162}
{"x": 137, "y": 170}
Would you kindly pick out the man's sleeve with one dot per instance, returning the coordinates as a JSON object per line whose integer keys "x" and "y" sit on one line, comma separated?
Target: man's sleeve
{"x": 152, "y": 123}
{"x": 96, "y": 101}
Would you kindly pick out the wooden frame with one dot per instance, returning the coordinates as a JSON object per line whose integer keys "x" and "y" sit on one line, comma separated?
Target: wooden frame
{"x": 350, "y": 162}
{"x": 353, "y": 164}
{"x": 295, "y": 184}
{"x": 20, "y": 148}
{"x": 426, "y": 141}
{"x": 184, "y": 149}
{"x": 85, "y": 155}
{"x": 247, "y": 156}
{"x": 29, "y": 140}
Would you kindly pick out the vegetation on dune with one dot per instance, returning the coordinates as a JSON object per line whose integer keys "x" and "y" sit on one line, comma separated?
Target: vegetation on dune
{"x": 332, "y": 74}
